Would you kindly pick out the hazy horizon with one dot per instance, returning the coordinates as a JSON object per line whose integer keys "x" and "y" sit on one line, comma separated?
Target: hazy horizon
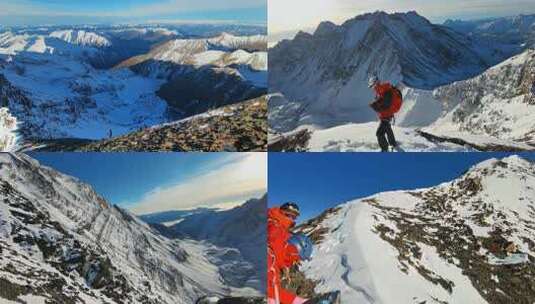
{"x": 65, "y": 12}
{"x": 283, "y": 23}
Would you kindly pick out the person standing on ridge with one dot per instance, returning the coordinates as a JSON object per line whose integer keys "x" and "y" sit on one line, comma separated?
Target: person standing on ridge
{"x": 388, "y": 100}
{"x": 281, "y": 254}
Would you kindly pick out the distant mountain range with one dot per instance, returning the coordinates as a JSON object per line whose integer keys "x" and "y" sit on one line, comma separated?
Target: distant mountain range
{"x": 83, "y": 82}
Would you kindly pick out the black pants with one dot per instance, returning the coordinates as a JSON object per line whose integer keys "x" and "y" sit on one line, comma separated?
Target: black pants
{"x": 385, "y": 129}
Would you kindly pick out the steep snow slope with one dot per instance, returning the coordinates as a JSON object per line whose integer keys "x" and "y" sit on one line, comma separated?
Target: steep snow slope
{"x": 63, "y": 242}
{"x": 326, "y": 72}
{"x": 465, "y": 241}
{"x": 496, "y": 104}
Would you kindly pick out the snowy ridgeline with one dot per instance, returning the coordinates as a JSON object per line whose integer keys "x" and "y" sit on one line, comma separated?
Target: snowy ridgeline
{"x": 8, "y": 128}
{"x": 61, "y": 242}
{"x": 465, "y": 241}
{"x": 477, "y": 96}
{"x": 68, "y": 83}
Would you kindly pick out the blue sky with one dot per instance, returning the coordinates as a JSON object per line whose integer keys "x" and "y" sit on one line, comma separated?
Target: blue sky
{"x": 151, "y": 182}
{"x": 317, "y": 181}
{"x": 32, "y": 12}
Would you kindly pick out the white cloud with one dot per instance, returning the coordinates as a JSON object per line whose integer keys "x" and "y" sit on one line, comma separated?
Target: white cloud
{"x": 239, "y": 177}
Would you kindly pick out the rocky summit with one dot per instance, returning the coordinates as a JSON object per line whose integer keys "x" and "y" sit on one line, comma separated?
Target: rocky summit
{"x": 469, "y": 240}
{"x": 237, "y": 127}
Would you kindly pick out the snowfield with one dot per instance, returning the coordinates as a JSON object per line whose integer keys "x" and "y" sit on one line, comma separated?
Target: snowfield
{"x": 72, "y": 99}
{"x": 444, "y": 244}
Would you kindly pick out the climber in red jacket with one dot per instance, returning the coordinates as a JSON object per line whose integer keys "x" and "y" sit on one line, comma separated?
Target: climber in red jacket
{"x": 281, "y": 254}
{"x": 388, "y": 100}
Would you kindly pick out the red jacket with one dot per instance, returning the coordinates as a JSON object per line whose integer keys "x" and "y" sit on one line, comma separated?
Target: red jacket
{"x": 381, "y": 90}
{"x": 280, "y": 254}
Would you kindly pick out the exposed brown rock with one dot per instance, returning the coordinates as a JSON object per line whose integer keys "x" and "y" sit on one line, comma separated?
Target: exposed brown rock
{"x": 238, "y": 127}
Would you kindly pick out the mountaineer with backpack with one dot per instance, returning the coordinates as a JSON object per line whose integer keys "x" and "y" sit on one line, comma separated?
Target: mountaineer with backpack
{"x": 286, "y": 249}
{"x": 388, "y": 100}
{"x": 281, "y": 254}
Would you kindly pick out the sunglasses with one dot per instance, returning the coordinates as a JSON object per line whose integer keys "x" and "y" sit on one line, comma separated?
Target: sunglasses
{"x": 293, "y": 216}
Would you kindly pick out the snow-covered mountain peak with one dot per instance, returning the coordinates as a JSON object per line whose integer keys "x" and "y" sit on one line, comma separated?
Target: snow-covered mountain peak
{"x": 81, "y": 37}
{"x": 225, "y": 36}
{"x": 326, "y": 72}
{"x": 506, "y": 163}
{"x": 326, "y": 28}
{"x": 390, "y": 20}
{"x": 236, "y": 42}
{"x": 467, "y": 240}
